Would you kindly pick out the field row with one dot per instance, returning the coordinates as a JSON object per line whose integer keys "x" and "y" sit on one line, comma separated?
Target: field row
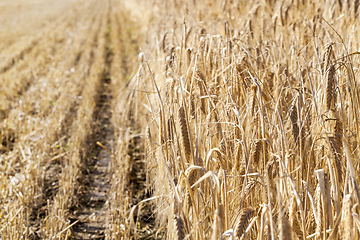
{"x": 59, "y": 108}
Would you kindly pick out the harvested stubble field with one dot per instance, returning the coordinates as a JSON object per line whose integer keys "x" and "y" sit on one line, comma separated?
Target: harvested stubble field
{"x": 179, "y": 119}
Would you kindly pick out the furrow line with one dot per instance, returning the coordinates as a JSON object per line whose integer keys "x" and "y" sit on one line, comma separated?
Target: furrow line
{"x": 91, "y": 210}
{"x": 47, "y": 150}
{"x": 70, "y": 184}
{"x": 61, "y": 115}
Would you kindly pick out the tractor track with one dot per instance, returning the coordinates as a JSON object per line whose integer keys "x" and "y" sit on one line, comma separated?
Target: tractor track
{"x": 52, "y": 168}
{"x": 90, "y": 212}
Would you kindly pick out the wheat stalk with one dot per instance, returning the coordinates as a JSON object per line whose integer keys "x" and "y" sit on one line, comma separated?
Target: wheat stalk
{"x": 346, "y": 219}
{"x": 284, "y": 227}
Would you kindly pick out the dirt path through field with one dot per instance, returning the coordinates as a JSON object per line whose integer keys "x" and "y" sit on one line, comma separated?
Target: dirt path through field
{"x": 90, "y": 214}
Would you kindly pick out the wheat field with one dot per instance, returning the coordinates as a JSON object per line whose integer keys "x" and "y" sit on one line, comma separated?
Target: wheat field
{"x": 180, "y": 119}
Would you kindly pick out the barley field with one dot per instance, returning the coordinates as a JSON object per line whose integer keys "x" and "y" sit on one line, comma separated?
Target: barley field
{"x": 130, "y": 119}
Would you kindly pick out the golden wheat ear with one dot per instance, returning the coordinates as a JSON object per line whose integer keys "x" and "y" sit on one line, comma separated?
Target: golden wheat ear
{"x": 179, "y": 228}
{"x": 327, "y": 58}
{"x": 294, "y": 121}
{"x": 330, "y": 89}
{"x": 256, "y": 152}
{"x": 185, "y": 134}
{"x": 245, "y": 216}
{"x": 202, "y": 85}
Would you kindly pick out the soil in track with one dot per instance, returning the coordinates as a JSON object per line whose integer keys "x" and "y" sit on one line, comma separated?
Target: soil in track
{"x": 90, "y": 213}
{"x": 139, "y": 191}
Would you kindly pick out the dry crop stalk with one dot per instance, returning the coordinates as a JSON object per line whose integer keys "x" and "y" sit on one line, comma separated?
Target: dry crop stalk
{"x": 214, "y": 90}
{"x": 216, "y": 226}
{"x": 336, "y": 148}
{"x": 321, "y": 203}
{"x": 319, "y": 211}
{"x": 218, "y": 125}
{"x": 149, "y": 142}
{"x": 220, "y": 158}
{"x": 295, "y": 224}
{"x": 267, "y": 234}
{"x": 284, "y": 226}
{"x": 346, "y": 219}
{"x": 238, "y": 152}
